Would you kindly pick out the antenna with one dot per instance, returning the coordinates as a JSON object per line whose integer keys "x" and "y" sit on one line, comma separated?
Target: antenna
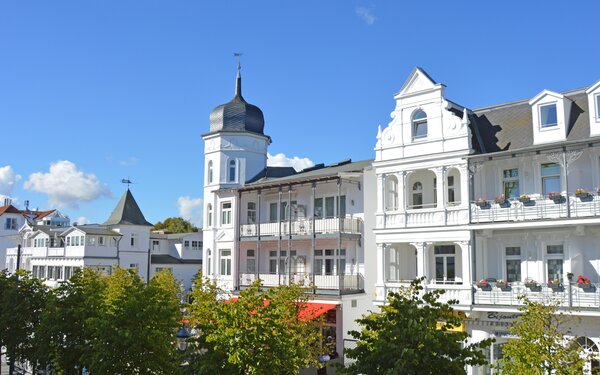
{"x": 239, "y": 57}
{"x": 126, "y": 181}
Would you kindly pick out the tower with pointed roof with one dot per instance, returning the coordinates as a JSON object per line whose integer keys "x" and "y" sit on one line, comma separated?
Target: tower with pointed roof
{"x": 235, "y": 150}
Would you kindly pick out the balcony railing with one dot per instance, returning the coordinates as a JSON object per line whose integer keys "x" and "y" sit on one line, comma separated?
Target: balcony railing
{"x": 459, "y": 292}
{"x": 56, "y": 251}
{"x": 535, "y": 209}
{"x": 318, "y": 284}
{"x": 564, "y": 295}
{"x": 425, "y": 216}
{"x": 303, "y": 227}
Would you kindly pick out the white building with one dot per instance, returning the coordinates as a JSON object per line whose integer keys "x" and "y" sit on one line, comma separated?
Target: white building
{"x": 53, "y": 252}
{"x": 506, "y": 193}
{"x": 280, "y": 225}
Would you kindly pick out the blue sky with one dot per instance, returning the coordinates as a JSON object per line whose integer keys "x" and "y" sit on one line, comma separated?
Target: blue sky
{"x": 95, "y": 91}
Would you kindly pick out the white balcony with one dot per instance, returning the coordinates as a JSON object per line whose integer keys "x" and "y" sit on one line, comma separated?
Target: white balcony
{"x": 537, "y": 208}
{"x": 458, "y": 292}
{"x": 424, "y": 217}
{"x": 318, "y": 284}
{"x": 56, "y": 251}
{"x": 563, "y": 295}
{"x": 303, "y": 227}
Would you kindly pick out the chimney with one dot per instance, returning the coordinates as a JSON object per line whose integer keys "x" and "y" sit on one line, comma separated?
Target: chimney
{"x": 7, "y": 201}
{"x": 27, "y": 205}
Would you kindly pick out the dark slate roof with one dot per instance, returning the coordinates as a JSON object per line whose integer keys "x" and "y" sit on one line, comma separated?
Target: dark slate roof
{"x": 167, "y": 259}
{"x": 315, "y": 173}
{"x": 509, "y": 126}
{"x": 128, "y": 212}
{"x": 272, "y": 172}
{"x": 237, "y": 115}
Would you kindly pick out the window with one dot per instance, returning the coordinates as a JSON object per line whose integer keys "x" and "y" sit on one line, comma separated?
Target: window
{"x": 226, "y": 213}
{"x": 417, "y": 195}
{"x": 91, "y": 240}
{"x": 435, "y": 191}
{"x": 445, "y": 263}
{"x": 554, "y": 262}
{"x": 11, "y": 223}
{"x": 251, "y": 213}
{"x": 186, "y": 244}
{"x": 273, "y": 262}
{"x": 50, "y": 273}
{"x": 329, "y": 207}
{"x": 513, "y": 263}
{"x": 159, "y": 269}
{"x": 548, "y": 115}
{"x": 133, "y": 239}
{"x": 35, "y": 271}
{"x": 68, "y": 272}
{"x": 250, "y": 262}
{"x": 232, "y": 170}
{"x": 318, "y": 208}
{"x": 209, "y": 173}
{"x": 196, "y": 245}
{"x": 208, "y": 261}
{"x": 419, "y": 125}
{"x": 273, "y": 212}
{"x": 68, "y": 241}
{"x": 510, "y": 183}
{"x": 391, "y": 196}
{"x": 550, "y": 178}
{"x": 598, "y": 107}
{"x": 325, "y": 262}
{"x": 284, "y": 210}
{"x": 209, "y": 215}
{"x": 332, "y": 208}
{"x": 58, "y": 273}
{"x": 451, "y": 197}
{"x": 226, "y": 262}
{"x": 101, "y": 241}
{"x": 155, "y": 245}
{"x": 134, "y": 266}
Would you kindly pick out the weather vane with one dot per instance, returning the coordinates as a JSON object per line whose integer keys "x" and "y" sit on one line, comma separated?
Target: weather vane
{"x": 126, "y": 181}
{"x": 239, "y": 57}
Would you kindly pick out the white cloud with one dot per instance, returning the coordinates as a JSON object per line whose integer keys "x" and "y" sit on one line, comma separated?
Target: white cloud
{"x": 82, "y": 220}
{"x": 8, "y": 180}
{"x": 66, "y": 185}
{"x": 280, "y": 160}
{"x": 132, "y": 160}
{"x": 366, "y": 15}
{"x": 191, "y": 209}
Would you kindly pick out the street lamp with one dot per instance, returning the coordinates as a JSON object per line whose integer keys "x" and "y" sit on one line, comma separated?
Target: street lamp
{"x": 182, "y": 336}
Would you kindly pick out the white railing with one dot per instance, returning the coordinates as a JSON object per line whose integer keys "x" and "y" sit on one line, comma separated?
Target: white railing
{"x": 536, "y": 208}
{"x": 56, "y": 251}
{"x": 424, "y": 217}
{"x": 564, "y": 294}
{"x": 315, "y": 283}
{"x": 303, "y": 227}
{"x": 459, "y": 292}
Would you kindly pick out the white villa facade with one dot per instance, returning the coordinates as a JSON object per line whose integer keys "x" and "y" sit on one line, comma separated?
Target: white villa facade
{"x": 54, "y": 252}
{"x": 491, "y": 204}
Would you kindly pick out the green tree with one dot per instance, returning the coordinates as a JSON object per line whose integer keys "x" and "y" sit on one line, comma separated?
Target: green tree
{"x": 22, "y": 300}
{"x": 259, "y": 333}
{"x": 541, "y": 346}
{"x": 65, "y": 321}
{"x": 175, "y": 225}
{"x": 413, "y": 335}
{"x": 135, "y": 330}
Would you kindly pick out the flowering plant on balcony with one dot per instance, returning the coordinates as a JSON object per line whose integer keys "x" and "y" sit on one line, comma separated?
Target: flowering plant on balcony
{"x": 531, "y": 283}
{"x": 501, "y": 282}
{"x": 484, "y": 284}
{"x": 598, "y": 190}
{"x": 582, "y": 280}
{"x": 555, "y": 196}
{"x": 581, "y": 193}
{"x": 553, "y": 282}
{"x": 524, "y": 198}
{"x": 501, "y": 199}
{"x": 481, "y": 202}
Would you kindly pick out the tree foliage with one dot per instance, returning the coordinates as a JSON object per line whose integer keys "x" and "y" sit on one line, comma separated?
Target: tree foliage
{"x": 541, "y": 345}
{"x": 413, "y": 335}
{"x": 259, "y": 333}
{"x": 175, "y": 225}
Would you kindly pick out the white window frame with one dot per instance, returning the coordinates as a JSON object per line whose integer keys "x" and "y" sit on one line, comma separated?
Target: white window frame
{"x": 547, "y": 126}
{"x": 225, "y": 260}
{"x": 510, "y": 179}
{"x": 209, "y": 173}
{"x": 101, "y": 241}
{"x": 391, "y": 193}
{"x": 445, "y": 279}
{"x": 511, "y": 257}
{"x": 548, "y": 257}
{"x": 597, "y": 105}
{"x": 208, "y": 261}
{"x": 451, "y": 189}
{"x": 251, "y": 214}
{"x": 10, "y": 223}
{"x": 416, "y": 192}
{"x": 559, "y": 175}
{"x": 209, "y": 215}
{"x": 226, "y": 213}
{"x": 323, "y": 257}
{"x": 416, "y": 122}
{"x": 133, "y": 240}
{"x": 232, "y": 167}
{"x": 251, "y": 261}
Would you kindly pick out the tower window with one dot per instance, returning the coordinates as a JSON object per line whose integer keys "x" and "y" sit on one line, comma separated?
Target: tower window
{"x": 232, "y": 170}
{"x": 419, "y": 125}
{"x": 209, "y": 176}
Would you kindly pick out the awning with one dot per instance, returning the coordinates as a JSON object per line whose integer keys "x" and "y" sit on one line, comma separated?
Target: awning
{"x": 311, "y": 310}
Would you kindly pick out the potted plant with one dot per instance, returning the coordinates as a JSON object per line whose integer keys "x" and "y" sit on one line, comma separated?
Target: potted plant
{"x": 532, "y": 285}
{"x": 501, "y": 200}
{"x": 555, "y": 285}
{"x": 524, "y": 199}
{"x": 598, "y": 191}
{"x": 482, "y": 203}
{"x": 556, "y": 197}
{"x": 582, "y": 193}
{"x": 503, "y": 285}
{"x": 584, "y": 283}
{"x": 484, "y": 284}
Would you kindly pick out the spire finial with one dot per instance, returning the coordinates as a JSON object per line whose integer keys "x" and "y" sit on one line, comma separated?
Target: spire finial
{"x": 238, "y": 81}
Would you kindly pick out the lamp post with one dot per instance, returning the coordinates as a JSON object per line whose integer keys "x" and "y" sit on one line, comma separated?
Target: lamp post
{"x": 182, "y": 336}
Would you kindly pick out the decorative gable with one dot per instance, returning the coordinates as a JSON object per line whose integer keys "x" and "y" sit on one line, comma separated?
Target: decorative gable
{"x": 417, "y": 82}
{"x": 551, "y": 115}
{"x": 593, "y": 94}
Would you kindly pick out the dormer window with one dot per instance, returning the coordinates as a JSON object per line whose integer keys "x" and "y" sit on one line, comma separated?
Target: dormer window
{"x": 548, "y": 115}
{"x": 419, "y": 125}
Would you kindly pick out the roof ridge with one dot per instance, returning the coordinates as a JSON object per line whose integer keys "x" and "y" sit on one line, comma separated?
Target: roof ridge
{"x": 526, "y": 100}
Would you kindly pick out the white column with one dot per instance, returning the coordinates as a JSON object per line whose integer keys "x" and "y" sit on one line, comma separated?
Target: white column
{"x": 464, "y": 186}
{"x": 401, "y": 191}
{"x": 407, "y": 188}
{"x": 381, "y": 193}
{"x": 440, "y": 175}
{"x": 380, "y": 264}
{"x": 421, "y": 258}
{"x": 466, "y": 256}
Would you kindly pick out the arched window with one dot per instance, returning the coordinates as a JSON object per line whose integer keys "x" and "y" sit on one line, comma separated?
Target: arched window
{"x": 251, "y": 213}
{"x": 209, "y": 215}
{"x": 391, "y": 193}
{"x": 417, "y": 193}
{"x": 419, "y": 125}
{"x": 232, "y": 170}
{"x": 209, "y": 172}
{"x": 208, "y": 261}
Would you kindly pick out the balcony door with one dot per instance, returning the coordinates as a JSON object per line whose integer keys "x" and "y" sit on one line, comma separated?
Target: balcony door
{"x": 445, "y": 264}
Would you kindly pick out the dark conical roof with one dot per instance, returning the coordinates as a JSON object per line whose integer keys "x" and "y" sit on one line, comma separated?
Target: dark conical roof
{"x": 128, "y": 212}
{"x": 237, "y": 114}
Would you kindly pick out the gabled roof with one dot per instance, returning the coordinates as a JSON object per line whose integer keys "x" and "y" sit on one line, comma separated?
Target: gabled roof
{"x": 92, "y": 229}
{"x": 127, "y": 212}
{"x": 10, "y": 209}
{"x": 418, "y": 80}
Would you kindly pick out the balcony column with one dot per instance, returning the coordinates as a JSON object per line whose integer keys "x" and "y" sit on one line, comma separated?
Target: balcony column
{"x": 440, "y": 176}
{"x": 381, "y": 200}
{"x": 340, "y": 228}
{"x": 237, "y": 222}
{"x": 464, "y": 185}
{"x": 466, "y": 256}
{"x": 380, "y": 264}
{"x": 401, "y": 177}
{"x": 289, "y": 217}
{"x": 314, "y": 235}
{"x": 279, "y": 236}
{"x": 257, "y": 268}
{"x": 421, "y": 258}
